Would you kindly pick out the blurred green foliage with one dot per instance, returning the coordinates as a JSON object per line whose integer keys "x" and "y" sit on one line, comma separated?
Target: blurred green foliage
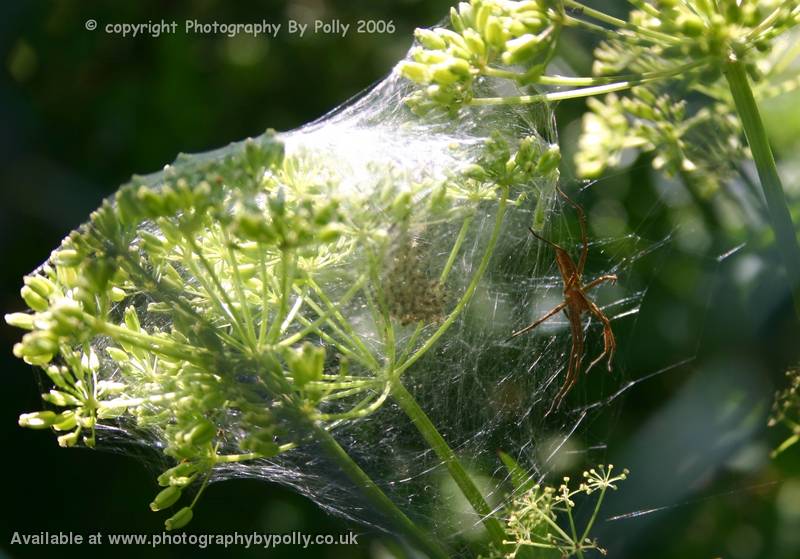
{"x": 83, "y": 110}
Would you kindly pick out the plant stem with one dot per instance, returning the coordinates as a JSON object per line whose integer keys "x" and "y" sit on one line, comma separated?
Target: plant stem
{"x": 580, "y": 92}
{"x": 779, "y": 215}
{"x": 446, "y": 454}
{"x": 375, "y": 495}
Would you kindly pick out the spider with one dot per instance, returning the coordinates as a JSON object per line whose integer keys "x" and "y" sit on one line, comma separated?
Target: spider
{"x": 576, "y": 302}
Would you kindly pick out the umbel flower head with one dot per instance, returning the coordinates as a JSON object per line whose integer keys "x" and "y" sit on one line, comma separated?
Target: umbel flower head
{"x": 540, "y": 517}
{"x": 242, "y": 303}
{"x": 694, "y": 139}
{"x": 667, "y": 50}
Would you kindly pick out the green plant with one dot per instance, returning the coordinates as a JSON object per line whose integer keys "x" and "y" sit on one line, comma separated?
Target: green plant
{"x": 262, "y": 304}
{"x": 540, "y": 520}
{"x": 693, "y": 47}
{"x": 786, "y": 411}
{"x": 237, "y": 307}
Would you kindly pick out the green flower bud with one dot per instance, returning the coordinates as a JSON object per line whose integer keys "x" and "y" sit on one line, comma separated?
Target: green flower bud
{"x": 442, "y": 75}
{"x": 68, "y": 440}
{"x": 306, "y": 363}
{"x": 521, "y": 48}
{"x": 494, "y": 33}
{"x": 166, "y": 498}
{"x": 482, "y": 17}
{"x": 329, "y": 233}
{"x": 459, "y": 67}
{"x": 33, "y": 299}
{"x": 117, "y": 354}
{"x": 39, "y": 344}
{"x": 118, "y": 294}
{"x": 37, "y": 420}
{"x": 132, "y": 319}
{"x": 690, "y": 24}
{"x": 456, "y": 21}
{"x": 66, "y": 257}
{"x": 62, "y": 399}
{"x": 201, "y": 433}
{"x": 253, "y": 226}
{"x": 261, "y": 443}
{"x": 466, "y": 14}
{"x": 20, "y": 320}
{"x": 41, "y": 285}
{"x": 414, "y": 71}
{"x": 549, "y": 161}
{"x": 150, "y": 201}
{"x": 66, "y": 421}
{"x": 170, "y": 231}
{"x": 58, "y": 375}
{"x": 475, "y": 43}
{"x": 179, "y": 519}
{"x": 429, "y": 39}
{"x": 68, "y": 317}
{"x": 475, "y": 171}
{"x": 152, "y": 243}
{"x": 180, "y": 475}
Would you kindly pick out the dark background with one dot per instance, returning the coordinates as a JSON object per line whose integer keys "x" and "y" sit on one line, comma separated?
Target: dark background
{"x": 83, "y": 110}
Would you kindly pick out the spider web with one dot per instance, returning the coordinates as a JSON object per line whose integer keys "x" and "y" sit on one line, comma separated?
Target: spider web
{"x": 482, "y": 391}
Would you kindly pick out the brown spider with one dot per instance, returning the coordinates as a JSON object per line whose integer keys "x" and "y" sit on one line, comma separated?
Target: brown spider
{"x": 575, "y": 303}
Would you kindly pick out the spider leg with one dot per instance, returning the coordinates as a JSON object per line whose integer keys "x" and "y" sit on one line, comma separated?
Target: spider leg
{"x": 584, "y": 234}
{"x": 575, "y": 359}
{"x": 530, "y": 327}
{"x": 594, "y": 283}
{"x": 609, "y": 342}
{"x": 546, "y": 241}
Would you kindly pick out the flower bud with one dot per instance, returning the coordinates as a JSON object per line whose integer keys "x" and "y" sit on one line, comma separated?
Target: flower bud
{"x": 429, "y": 39}
{"x": 482, "y": 17}
{"x": 459, "y": 67}
{"x": 494, "y": 32}
{"x": 20, "y": 320}
{"x": 62, "y": 399}
{"x": 456, "y": 21}
{"x": 179, "y": 519}
{"x": 442, "y": 74}
{"x": 549, "y": 161}
{"x": 68, "y": 440}
{"x": 180, "y": 475}
{"x": 66, "y": 257}
{"x": 690, "y": 24}
{"x": 37, "y": 420}
{"x": 306, "y": 363}
{"x": 33, "y": 299}
{"x": 414, "y": 71}
{"x": 132, "y": 319}
{"x": 38, "y": 344}
{"x": 41, "y": 285}
{"x": 475, "y": 42}
{"x": 68, "y": 317}
{"x": 117, "y": 354}
{"x": 202, "y": 433}
{"x": 521, "y": 48}
{"x": 166, "y": 498}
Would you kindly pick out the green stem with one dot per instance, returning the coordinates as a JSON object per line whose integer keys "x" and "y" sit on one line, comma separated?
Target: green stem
{"x": 780, "y": 217}
{"x": 286, "y": 278}
{"x": 616, "y": 22}
{"x": 375, "y": 495}
{"x": 588, "y": 91}
{"x": 446, "y": 455}
{"x": 591, "y": 522}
